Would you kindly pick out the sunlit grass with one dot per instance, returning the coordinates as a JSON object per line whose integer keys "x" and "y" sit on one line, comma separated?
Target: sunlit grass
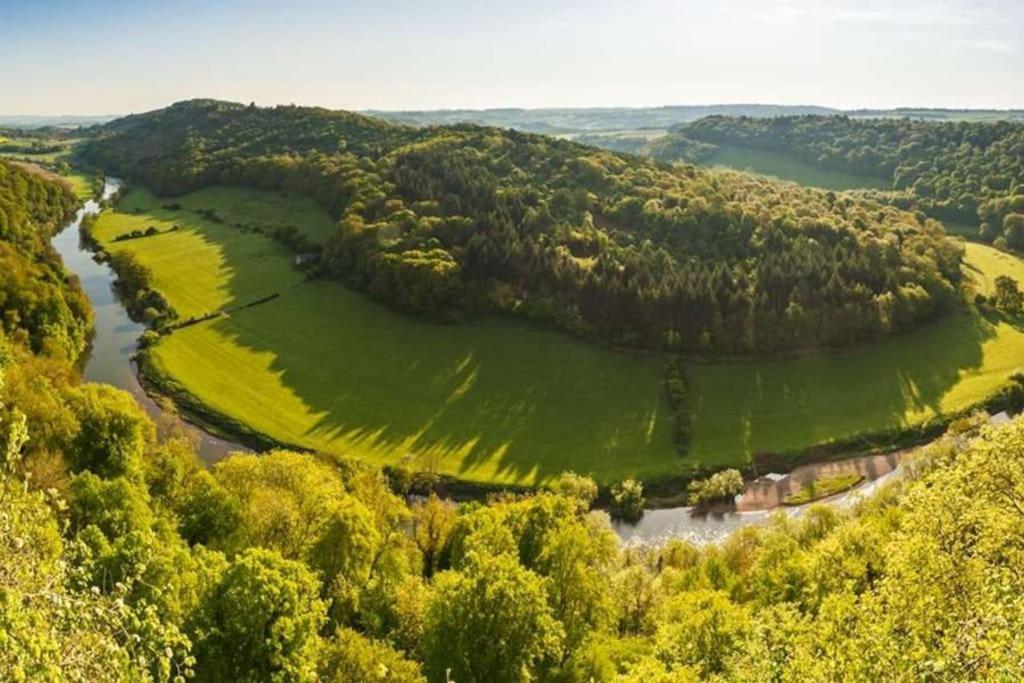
{"x": 790, "y": 167}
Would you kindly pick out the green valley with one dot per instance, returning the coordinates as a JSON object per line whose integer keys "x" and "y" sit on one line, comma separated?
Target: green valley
{"x": 505, "y": 402}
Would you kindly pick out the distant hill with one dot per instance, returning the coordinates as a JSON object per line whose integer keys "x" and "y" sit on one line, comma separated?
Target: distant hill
{"x": 570, "y": 120}
{"x": 33, "y": 121}
{"x": 589, "y": 120}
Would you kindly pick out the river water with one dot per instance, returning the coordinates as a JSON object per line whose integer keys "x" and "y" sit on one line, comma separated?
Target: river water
{"x": 115, "y": 341}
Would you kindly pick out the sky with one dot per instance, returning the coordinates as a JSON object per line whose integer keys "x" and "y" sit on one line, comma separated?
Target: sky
{"x": 117, "y": 57}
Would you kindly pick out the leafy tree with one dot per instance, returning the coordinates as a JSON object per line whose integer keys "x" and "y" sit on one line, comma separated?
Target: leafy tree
{"x": 628, "y": 500}
{"x": 490, "y": 622}
{"x": 285, "y": 500}
{"x": 113, "y": 432}
{"x": 433, "y": 521}
{"x": 261, "y": 622}
{"x": 721, "y": 485}
{"x": 1008, "y": 296}
{"x": 583, "y": 489}
{"x": 349, "y": 656}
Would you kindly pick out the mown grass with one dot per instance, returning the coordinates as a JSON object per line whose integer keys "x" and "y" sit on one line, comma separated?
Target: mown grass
{"x": 790, "y": 167}
{"x": 202, "y": 266}
{"x": 324, "y": 368}
{"x": 327, "y": 369}
{"x": 786, "y": 405}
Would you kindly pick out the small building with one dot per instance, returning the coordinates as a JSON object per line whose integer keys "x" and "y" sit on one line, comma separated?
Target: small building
{"x": 307, "y": 259}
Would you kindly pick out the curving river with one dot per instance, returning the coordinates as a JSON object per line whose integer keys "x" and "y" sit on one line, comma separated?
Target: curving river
{"x": 115, "y": 341}
{"x": 115, "y": 335}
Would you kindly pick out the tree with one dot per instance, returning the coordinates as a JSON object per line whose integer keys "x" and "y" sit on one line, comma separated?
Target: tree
{"x": 261, "y": 622}
{"x": 285, "y": 500}
{"x": 490, "y": 623}
{"x": 719, "y": 486}
{"x": 628, "y": 500}
{"x": 583, "y": 489}
{"x": 702, "y": 629}
{"x": 1013, "y": 230}
{"x": 432, "y": 523}
{"x": 348, "y": 657}
{"x": 1008, "y": 296}
{"x": 113, "y": 432}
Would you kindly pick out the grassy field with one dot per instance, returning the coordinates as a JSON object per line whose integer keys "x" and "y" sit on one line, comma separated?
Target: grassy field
{"x": 202, "y": 266}
{"x": 789, "y": 167}
{"x": 327, "y": 369}
{"x": 267, "y": 209}
{"x": 782, "y": 406}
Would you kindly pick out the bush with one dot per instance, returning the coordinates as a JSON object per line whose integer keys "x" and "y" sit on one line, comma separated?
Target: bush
{"x": 148, "y": 338}
{"x": 722, "y": 485}
{"x": 583, "y": 489}
{"x": 628, "y": 500}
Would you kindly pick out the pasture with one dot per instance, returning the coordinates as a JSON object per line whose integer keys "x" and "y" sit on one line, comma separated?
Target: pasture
{"x": 789, "y": 167}
{"x": 204, "y": 266}
{"x": 496, "y": 401}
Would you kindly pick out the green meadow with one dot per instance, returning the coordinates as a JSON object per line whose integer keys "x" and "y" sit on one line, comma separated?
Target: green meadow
{"x": 789, "y": 167}
{"x": 203, "y": 266}
{"x": 325, "y": 368}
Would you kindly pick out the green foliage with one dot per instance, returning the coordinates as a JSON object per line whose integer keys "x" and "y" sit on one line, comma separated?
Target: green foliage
{"x": 1008, "y": 296}
{"x": 113, "y": 432}
{"x": 677, "y": 390}
{"x": 953, "y": 170}
{"x": 285, "y": 500}
{"x": 572, "y": 485}
{"x": 490, "y": 623}
{"x": 724, "y": 485}
{"x": 628, "y": 500}
{"x": 261, "y": 622}
{"x": 39, "y": 305}
{"x": 349, "y": 656}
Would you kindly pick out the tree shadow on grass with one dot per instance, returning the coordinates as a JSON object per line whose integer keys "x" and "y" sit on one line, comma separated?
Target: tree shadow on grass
{"x": 788, "y": 405}
{"x": 488, "y": 400}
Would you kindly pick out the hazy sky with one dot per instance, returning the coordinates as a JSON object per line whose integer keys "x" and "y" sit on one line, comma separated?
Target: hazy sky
{"x": 61, "y": 56}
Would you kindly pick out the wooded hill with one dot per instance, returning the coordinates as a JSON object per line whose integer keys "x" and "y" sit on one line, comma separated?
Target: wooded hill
{"x": 959, "y": 171}
{"x": 446, "y": 221}
{"x": 39, "y": 304}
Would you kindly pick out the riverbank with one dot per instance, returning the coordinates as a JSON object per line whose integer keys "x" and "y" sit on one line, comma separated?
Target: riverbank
{"x": 115, "y": 335}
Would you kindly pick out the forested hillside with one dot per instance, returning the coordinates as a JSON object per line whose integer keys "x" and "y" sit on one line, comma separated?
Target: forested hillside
{"x": 960, "y": 171}
{"x": 454, "y": 220}
{"x": 38, "y": 303}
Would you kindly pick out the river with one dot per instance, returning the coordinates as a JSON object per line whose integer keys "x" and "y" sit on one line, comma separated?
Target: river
{"x": 115, "y": 342}
{"x": 115, "y": 334}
